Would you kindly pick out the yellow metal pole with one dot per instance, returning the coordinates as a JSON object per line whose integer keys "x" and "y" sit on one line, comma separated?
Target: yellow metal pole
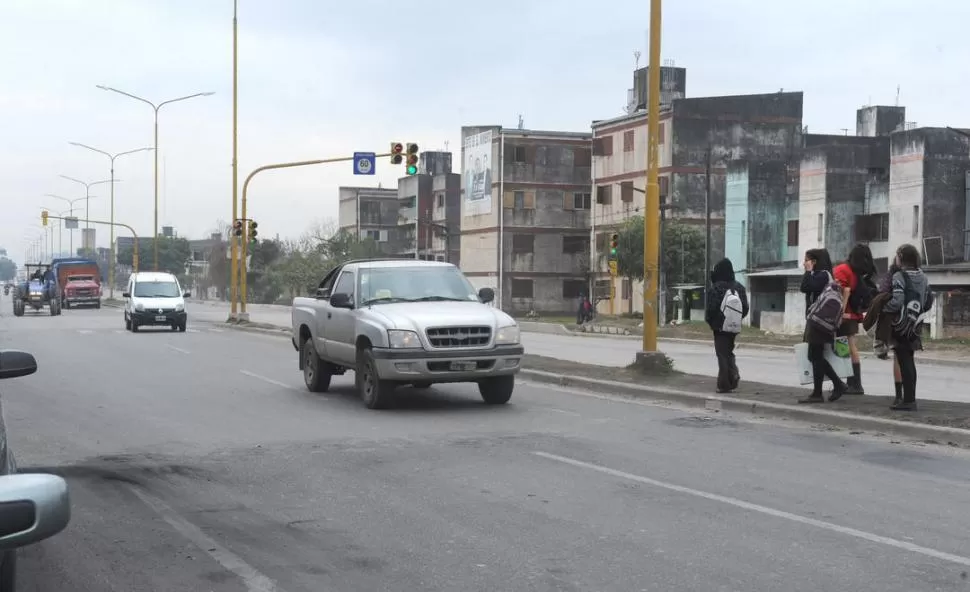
{"x": 651, "y": 219}
{"x": 134, "y": 254}
{"x": 233, "y": 253}
{"x": 155, "y": 226}
{"x": 245, "y": 190}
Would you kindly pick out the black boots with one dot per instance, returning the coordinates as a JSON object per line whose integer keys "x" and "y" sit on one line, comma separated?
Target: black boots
{"x": 854, "y": 382}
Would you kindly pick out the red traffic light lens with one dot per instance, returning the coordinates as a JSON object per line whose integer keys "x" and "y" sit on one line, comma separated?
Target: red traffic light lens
{"x": 397, "y": 148}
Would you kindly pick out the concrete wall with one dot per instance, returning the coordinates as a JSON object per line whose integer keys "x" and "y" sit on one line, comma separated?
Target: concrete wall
{"x": 879, "y": 120}
{"x": 736, "y": 218}
{"x": 447, "y": 212}
{"x": 945, "y": 165}
{"x": 811, "y": 200}
{"x": 906, "y": 189}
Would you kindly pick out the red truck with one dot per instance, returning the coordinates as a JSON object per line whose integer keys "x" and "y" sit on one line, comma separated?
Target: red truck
{"x": 79, "y": 282}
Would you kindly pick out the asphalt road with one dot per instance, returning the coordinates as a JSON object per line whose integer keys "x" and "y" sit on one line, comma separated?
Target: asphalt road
{"x": 198, "y": 461}
{"x": 944, "y": 383}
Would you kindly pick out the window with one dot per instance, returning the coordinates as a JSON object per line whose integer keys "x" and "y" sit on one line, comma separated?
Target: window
{"x": 820, "y": 235}
{"x": 440, "y": 201}
{"x": 573, "y": 288}
{"x": 626, "y": 289}
{"x": 793, "y": 233}
{"x": 628, "y": 141}
{"x": 663, "y": 182}
{"x": 521, "y": 288}
{"x": 604, "y": 194}
{"x": 518, "y": 200}
{"x": 603, "y": 146}
{"x": 518, "y": 154}
{"x": 377, "y": 235}
{"x": 626, "y": 191}
{"x": 523, "y": 243}
{"x": 744, "y": 232}
{"x": 582, "y": 201}
{"x": 575, "y": 244}
{"x": 345, "y": 285}
{"x": 370, "y": 212}
{"x": 660, "y": 134}
{"x": 872, "y": 228}
{"x": 915, "y": 221}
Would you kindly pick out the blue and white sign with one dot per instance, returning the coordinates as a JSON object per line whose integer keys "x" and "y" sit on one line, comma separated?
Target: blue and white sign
{"x": 364, "y": 163}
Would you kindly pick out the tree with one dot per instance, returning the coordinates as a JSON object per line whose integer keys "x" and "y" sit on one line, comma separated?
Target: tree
{"x": 8, "y": 269}
{"x": 173, "y": 255}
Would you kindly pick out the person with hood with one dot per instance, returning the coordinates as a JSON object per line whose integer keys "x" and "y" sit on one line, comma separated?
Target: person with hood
{"x": 855, "y": 276}
{"x": 818, "y": 275}
{"x": 911, "y": 298}
{"x": 724, "y": 295}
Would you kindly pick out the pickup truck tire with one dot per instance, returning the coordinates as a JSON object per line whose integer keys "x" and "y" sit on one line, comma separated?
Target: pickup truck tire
{"x": 316, "y": 374}
{"x": 496, "y": 390}
{"x": 376, "y": 393}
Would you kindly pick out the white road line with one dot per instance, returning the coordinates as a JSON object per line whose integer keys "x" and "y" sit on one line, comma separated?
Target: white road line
{"x": 251, "y": 577}
{"x": 120, "y": 331}
{"x": 216, "y": 330}
{"x": 267, "y": 380}
{"x": 85, "y": 331}
{"x": 192, "y": 331}
{"x": 564, "y": 412}
{"x": 860, "y": 534}
{"x": 178, "y": 349}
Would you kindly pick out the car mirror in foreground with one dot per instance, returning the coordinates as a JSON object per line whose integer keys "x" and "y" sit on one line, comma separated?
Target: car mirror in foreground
{"x": 341, "y": 300}
{"x": 33, "y": 507}
{"x": 486, "y": 295}
{"x": 126, "y": 294}
{"x": 15, "y": 363}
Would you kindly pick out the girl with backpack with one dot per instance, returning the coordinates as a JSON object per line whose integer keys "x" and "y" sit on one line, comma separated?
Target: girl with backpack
{"x": 727, "y": 305}
{"x": 911, "y": 297}
{"x": 824, "y": 309}
{"x": 858, "y": 288}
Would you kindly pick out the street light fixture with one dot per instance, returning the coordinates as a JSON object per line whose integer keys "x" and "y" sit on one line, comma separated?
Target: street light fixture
{"x": 111, "y": 157}
{"x": 60, "y": 229}
{"x": 155, "y": 107}
{"x": 87, "y": 195}
{"x": 71, "y": 202}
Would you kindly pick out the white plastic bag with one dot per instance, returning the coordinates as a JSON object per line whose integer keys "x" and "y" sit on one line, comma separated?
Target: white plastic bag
{"x": 842, "y": 366}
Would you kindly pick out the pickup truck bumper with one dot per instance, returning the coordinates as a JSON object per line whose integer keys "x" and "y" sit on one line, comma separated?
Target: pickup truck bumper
{"x": 448, "y": 366}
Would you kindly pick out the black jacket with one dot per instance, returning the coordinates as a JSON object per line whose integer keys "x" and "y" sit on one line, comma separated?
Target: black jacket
{"x": 722, "y": 280}
{"x": 813, "y": 284}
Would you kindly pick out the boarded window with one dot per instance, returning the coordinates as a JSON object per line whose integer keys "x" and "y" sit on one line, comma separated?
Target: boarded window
{"x": 626, "y": 191}
{"x": 628, "y": 141}
{"x": 575, "y": 244}
{"x": 604, "y": 194}
{"x": 521, "y": 288}
{"x": 603, "y": 146}
{"x": 793, "y": 233}
{"x": 523, "y": 243}
{"x": 520, "y": 200}
{"x": 573, "y": 288}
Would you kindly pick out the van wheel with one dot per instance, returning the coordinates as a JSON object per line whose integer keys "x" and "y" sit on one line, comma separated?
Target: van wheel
{"x": 134, "y": 326}
{"x": 496, "y": 390}
{"x": 316, "y": 372}
{"x": 375, "y": 392}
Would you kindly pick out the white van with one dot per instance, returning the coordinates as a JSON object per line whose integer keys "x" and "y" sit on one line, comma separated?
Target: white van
{"x": 153, "y": 299}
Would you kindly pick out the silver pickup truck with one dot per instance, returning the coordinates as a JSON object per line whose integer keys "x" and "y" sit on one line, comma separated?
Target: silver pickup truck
{"x": 396, "y": 322}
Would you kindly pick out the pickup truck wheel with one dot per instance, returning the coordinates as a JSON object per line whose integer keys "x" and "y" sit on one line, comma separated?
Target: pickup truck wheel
{"x": 496, "y": 390}
{"x": 316, "y": 374}
{"x": 375, "y": 392}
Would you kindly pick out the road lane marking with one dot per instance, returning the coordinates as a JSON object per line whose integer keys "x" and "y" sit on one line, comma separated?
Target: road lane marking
{"x": 731, "y": 501}
{"x": 251, "y": 577}
{"x": 216, "y": 330}
{"x": 178, "y": 349}
{"x": 192, "y": 331}
{"x": 267, "y": 380}
{"x": 85, "y": 331}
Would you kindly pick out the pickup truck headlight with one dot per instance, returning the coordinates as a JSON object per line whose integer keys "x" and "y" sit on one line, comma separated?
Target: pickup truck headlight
{"x": 403, "y": 339}
{"x": 507, "y": 335}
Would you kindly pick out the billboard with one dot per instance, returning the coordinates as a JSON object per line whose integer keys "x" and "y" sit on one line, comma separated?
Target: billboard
{"x": 477, "y": 171}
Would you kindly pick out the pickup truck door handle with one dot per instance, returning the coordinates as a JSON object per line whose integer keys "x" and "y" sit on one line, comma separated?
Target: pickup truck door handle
{"x": 329, "y": 315}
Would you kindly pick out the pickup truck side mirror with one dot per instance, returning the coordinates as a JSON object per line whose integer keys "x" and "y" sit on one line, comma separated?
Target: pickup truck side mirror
{"x": 342, "y": 300}
{"x": 187, "y": 295}
{"x": 486, "y": 295}
{"x": 126, "y": 294}
{"x": 323, "y": 293}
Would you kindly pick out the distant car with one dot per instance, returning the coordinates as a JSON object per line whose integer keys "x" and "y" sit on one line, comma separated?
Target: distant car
{"x": 155, "y": 299}
{"x": 396, "y": 322}
{"x": 33, "y": 507}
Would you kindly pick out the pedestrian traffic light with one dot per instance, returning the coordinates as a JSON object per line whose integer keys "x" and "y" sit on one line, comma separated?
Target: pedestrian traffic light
{"x": 412, "y": 159}
{"x": 397, "y": 149}
{"x": 252, "y": 231}
{"x": 614, "y": 243}
{"x": 43, "y": 217}
{"x": 237, "y": 228}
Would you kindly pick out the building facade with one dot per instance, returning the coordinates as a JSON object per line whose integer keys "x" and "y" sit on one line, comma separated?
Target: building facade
{"x": 369, "y": 212}
{"x": 525, "y": 216}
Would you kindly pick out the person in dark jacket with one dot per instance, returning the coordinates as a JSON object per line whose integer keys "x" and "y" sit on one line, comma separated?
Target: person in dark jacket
{"x": 818, "y": 275}
{"x": 722, "y": 280}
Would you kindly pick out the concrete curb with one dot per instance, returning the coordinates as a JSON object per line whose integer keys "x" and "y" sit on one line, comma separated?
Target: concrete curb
{"x": 851, "y": 421}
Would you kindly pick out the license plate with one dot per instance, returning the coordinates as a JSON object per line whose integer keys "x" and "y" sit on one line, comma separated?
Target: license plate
{"x": 160, "y": 318}
{"x": 463, "y": 366}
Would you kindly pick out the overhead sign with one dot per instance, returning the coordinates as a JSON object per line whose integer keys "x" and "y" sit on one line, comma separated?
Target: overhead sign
{"x": 70, "y": 222}
{"x": 613, "y": 268}
{"x": 364, "y": 163}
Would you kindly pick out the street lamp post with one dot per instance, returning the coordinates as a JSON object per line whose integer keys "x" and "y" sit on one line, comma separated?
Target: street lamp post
{"x": 155, "y": 107}
{"x": 87, "y": 195}
{"x": 111, "y": 157}
{"x": 70, "y": 202}
{"x": 60, "y": 229}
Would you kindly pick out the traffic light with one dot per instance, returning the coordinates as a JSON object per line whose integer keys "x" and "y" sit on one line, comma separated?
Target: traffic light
{"x": 396, "y": 153}
{"x": 614, "y": 243}
{"x": 252, "y": 231}
{"x": 43, "y": 217}
{"x": 412, "y": 159}
{"x": 237, "y": 228}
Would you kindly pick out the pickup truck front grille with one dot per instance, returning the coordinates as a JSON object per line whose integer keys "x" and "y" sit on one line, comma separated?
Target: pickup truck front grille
{"x": 445, "y": 337}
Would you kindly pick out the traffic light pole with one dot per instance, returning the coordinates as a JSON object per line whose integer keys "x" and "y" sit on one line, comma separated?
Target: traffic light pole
{"x": 242, "y": 315}
{"x": 134, "y": 252}
{"x": 651, "y": 219}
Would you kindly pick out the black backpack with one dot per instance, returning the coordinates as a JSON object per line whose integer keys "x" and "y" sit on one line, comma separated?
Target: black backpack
{"x": 909, "y": 323}
{"x": 860, "y": 299}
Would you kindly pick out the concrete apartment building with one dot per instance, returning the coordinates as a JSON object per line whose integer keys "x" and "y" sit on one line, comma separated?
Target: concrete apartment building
{"x": 699, "y": 138}
{"x": 369, "y": 212}
{"x": 525, "y": 216}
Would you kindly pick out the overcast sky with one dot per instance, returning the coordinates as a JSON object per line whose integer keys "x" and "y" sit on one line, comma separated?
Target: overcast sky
{"x": 320, "y": 79}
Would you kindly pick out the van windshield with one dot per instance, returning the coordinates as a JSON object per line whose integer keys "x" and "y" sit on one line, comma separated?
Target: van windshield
{"x": 156, "y": 290}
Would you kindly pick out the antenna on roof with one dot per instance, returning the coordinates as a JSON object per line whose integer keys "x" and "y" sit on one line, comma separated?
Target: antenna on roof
{"x": 897, "y": 95}
{"x": 446, "y": 145}
{"x": 521, "y": 122}
{"x": 636, "y": 59}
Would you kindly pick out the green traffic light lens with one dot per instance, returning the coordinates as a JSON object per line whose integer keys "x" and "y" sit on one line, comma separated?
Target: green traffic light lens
{"x": 612, "y": 251}
{"x": 412, "y": 170}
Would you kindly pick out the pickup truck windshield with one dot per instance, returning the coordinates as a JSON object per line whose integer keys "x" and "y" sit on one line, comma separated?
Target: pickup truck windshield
{"x": 414, "y": 284}
{"x": 156, "y": 290}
